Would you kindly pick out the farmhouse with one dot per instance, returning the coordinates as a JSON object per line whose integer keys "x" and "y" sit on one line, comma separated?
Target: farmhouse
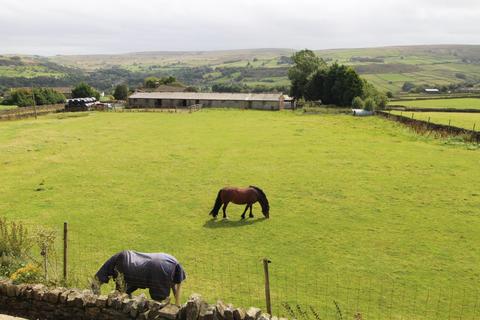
{"x": 260, "y": 101}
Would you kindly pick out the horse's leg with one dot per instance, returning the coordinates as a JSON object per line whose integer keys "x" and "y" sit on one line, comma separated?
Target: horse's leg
{"x": 245, "y": 211}
{"x": 224, "y": 210}
{"x": 251, "y": 214}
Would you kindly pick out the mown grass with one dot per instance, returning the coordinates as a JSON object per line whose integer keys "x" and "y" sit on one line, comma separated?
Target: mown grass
{"x": 461, "y": 103}
{"x": 461, "y": 120}
{"x": 358, "y": 205}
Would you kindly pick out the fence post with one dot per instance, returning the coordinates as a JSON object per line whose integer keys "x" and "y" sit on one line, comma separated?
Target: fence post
{"x": 267, "y": 286}
{"x": 34, "y": 103}
{"x": 65, "y": 250}
{"x": 474, "y": 126}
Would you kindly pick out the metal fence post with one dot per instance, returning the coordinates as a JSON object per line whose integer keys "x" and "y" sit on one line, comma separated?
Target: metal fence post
{"x": 267, "y": 286}
{"x": 65, "y": 250}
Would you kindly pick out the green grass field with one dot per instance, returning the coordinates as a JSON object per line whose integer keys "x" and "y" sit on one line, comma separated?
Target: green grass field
{"x": 461, "y": 103}
{"x": 461, "y": 120}
{"x": 363, "y": 211}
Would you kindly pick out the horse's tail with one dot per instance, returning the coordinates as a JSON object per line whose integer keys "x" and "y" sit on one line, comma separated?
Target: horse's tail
{"x": 217, "y": 205}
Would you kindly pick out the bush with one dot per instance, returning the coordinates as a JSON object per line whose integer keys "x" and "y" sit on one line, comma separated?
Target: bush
{"x": 370, "y": 104}
{"x": 30, "y": 273}
{"x": 20, "y": 97}
{"x": 14, "y": 240}
{"x": 358, "y": 103}
{"x": 14, "y": 246}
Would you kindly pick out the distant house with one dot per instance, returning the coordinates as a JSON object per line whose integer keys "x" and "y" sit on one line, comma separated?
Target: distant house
{"x": 432, "y": 91}
{"x": 260, "y": 101}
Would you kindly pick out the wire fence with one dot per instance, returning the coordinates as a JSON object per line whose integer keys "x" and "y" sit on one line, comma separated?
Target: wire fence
{"x": 295, "y": 292}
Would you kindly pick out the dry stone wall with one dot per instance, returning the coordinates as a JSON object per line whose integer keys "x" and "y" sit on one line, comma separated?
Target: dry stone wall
{"x": 39, "y": 302}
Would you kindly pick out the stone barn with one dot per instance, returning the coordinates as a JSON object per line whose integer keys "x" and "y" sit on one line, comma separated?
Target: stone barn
{"x": 259, "y": 101}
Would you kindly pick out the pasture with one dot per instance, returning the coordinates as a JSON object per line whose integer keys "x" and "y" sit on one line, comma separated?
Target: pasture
{"x": 7, "y": 107}
{"x": 363, "y": 211}
{"x": 460, "y": 119}
{"x": 460, "y": 103}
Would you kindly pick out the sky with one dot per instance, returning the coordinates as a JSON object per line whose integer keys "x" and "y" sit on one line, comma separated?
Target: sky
{"x": 50, "y": 27}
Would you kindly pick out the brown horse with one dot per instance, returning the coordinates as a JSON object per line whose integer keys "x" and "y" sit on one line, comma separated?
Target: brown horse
{"x": 246, "y": 196}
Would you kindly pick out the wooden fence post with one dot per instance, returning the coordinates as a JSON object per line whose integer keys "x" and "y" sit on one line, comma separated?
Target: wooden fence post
{"x": 65, "y": 250}
{"x": 34, "y": 103}
{"x": 267, "y": 285}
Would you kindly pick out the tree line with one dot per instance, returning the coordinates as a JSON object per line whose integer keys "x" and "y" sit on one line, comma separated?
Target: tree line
{"x": 37, "y": 96}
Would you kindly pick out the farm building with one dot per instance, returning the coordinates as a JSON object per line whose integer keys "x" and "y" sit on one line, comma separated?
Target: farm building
{"x": 260, "y": 101}
{"x": 432, "y": 90}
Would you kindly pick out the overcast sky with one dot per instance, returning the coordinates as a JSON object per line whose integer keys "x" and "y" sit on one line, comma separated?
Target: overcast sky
{"x": 49, "y": 27}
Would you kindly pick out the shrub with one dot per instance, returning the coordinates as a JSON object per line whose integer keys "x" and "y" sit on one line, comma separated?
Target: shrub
{"x": 14, "y": 246}
{"x": 30, "y": 273}
{"x": 381, "y": 101}
{"x": 20, "y": 97}
{"x": 370, "y": 104}
{"x": 14, "y": 240}
{"x": 358, "y": 103}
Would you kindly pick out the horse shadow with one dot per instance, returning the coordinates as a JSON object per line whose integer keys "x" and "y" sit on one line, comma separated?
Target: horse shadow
{"x": 220, "y": 223}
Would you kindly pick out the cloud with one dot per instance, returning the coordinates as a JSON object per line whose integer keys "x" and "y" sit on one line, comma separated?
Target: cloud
{"x": 108, "y": 26}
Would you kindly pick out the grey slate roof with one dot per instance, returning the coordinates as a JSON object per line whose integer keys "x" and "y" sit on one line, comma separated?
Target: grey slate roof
{"x": 207, "y": 96}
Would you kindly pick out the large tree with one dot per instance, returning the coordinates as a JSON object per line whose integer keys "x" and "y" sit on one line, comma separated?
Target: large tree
{"x": 121, "y": 92}
{"x": 305, "y": 64}
{"x": 83, "y": 90}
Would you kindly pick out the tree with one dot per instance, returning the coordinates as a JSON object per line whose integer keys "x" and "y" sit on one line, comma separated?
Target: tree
{"x": 151, "y": 82}
{"x": 83, "y": 90}
{"x": 305, "y": 64}
{"x": 370, "y": 104}
{"x": 45, "y": 96}
{"x": 21, "y": 98}
{"x": 336, "y": 85}
{"x": 121, "y": 92}
{"x": 357, "y": 103}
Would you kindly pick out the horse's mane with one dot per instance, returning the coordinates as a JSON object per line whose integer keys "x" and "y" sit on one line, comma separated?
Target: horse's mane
{"x": 262, "y": 195}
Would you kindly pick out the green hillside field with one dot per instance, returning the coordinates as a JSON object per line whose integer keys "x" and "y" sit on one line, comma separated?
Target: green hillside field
{"x": 462, "y": 103}
{"x": 461, "y": 120}
{"x": 388, "y": 68}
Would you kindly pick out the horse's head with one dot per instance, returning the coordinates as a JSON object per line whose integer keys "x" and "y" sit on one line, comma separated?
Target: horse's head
{"x": 266, "y": 212}
{"x": 262, "y": 199}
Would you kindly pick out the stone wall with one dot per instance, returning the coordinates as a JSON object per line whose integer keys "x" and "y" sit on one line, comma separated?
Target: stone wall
{"x": 40, "y": 302}
{"x": 422, "y": 126}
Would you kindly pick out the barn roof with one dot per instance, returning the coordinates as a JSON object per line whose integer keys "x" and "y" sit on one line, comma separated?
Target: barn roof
{"x": 207, "y": 96}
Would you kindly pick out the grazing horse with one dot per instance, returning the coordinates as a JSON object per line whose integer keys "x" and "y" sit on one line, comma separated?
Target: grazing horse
{"x": 246, "y": 196}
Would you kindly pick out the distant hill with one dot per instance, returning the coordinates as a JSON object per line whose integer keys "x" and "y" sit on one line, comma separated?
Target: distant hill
{"x": 388, "y": 68}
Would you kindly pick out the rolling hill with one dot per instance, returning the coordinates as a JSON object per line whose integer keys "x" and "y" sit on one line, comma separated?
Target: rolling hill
{"x": 388, "y": 68}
